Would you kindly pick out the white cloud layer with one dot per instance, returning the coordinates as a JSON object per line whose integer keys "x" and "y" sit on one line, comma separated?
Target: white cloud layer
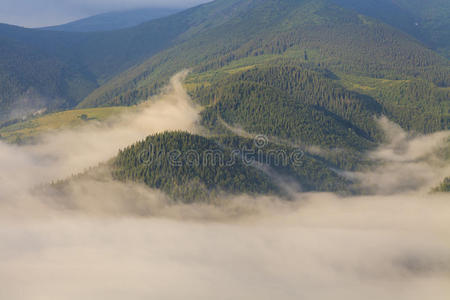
{"x": 328, "y": 248}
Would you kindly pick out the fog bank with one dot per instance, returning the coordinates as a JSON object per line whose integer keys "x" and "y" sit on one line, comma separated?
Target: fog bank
{"x": 325, "y": 248}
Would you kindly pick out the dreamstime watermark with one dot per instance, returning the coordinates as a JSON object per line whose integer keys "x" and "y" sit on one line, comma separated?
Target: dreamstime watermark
{"x": 260, "y": 153}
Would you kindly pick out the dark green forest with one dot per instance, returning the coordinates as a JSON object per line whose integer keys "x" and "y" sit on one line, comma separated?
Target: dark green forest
{"x": 292, "y": 103}
{"x": 190, "y": 167}
{"x": 178, "y": 163}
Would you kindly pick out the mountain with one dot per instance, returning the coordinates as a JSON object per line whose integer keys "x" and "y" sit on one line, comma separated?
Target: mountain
{"x": 71, "y": 58}
{"x": 428, "y": 21}
{"x": 32, "y": 80}
{"x": 114, "y": 20}
{"x": 207, "y": 37}
{"x": 307, "y": 74}
{"x": 433, "y": 22}
{"x": 313, "y": 34}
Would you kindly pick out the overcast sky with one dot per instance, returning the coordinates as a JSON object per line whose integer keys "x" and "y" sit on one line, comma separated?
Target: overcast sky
{"x": 37, "y": 13}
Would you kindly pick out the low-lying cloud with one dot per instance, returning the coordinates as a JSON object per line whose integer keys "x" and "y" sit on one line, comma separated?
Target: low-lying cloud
{"x": 407, "y": 163}
{"x": 323, "y": 248}
{"x": 110, "y": 240}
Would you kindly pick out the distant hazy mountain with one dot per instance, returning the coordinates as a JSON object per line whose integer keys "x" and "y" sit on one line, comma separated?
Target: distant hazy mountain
{"x": 114, "y": 20}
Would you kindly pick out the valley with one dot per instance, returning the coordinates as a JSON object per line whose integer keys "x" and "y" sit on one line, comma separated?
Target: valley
{"x": 235, "y": 149}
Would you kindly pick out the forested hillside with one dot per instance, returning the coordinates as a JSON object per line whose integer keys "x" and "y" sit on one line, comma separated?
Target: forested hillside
{"x": 163, "y": 161}
{"x": 32, "y": 80}
{"x": 294, "y": 104}
{"x": 312, "y": 33}
{"x": 190, "y": 167}
{"x": 433, "y": 22}
{"x": 428, "y": 21}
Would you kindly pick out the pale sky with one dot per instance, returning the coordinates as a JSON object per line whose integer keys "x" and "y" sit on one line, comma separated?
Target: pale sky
{"x": 38, "y": 13}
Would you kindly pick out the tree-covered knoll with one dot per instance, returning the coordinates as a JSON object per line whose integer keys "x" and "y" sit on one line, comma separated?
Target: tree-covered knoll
{"x": 186, "y": 167}
{"x": 193, "y": 168}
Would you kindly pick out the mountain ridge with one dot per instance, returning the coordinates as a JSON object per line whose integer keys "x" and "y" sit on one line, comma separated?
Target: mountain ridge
{"x": 113, "y": 20}
{"x": 101, "y": 58}
{"x": 360, "y": 46}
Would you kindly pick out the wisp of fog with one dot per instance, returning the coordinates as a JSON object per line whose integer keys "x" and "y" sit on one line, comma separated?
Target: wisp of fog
{"x": 127, "y": 241}
{"x": 64, "y": 153}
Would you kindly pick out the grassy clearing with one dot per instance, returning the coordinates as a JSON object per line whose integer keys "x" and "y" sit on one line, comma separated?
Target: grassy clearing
{"x": 30, "y": 129}
{"x": 364, "y": 84}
